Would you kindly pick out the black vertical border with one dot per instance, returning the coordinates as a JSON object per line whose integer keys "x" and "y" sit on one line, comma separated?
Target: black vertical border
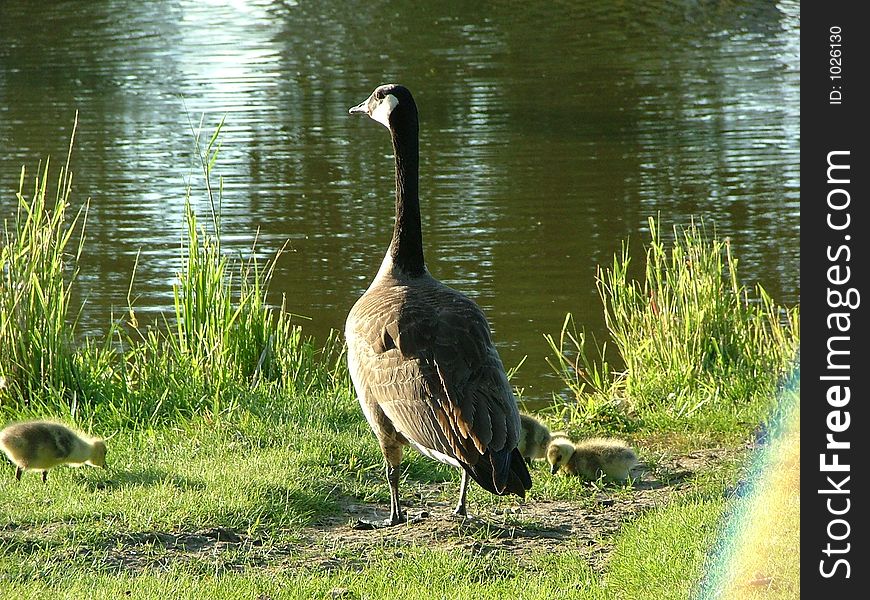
{"x": 828, "y": 126}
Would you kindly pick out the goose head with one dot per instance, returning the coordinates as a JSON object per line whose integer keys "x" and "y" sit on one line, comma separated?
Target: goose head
{"x": 385, "y": 103}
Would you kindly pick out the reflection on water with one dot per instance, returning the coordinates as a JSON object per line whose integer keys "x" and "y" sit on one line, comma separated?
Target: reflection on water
{"x": 549, "y": 133}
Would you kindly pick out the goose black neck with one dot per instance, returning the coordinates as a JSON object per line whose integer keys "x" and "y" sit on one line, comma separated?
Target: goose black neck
{"x": 406, "y": 247}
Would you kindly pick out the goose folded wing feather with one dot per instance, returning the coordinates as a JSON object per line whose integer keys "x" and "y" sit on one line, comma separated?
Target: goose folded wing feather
{"x": 444, "y": 353}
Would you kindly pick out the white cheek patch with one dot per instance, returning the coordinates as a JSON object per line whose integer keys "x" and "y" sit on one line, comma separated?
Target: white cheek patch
{"x": 382, "y": 111}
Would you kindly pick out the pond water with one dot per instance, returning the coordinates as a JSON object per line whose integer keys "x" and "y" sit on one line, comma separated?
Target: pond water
{"x": 550, "y": 132}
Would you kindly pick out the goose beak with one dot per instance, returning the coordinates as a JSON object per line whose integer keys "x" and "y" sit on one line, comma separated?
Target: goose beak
{"x": 362, "y": 107}
{"x": 554, "y": 469}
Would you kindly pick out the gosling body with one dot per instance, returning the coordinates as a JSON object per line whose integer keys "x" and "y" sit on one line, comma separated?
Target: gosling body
{"x": 591, "y": 458}
{"x": 534, "y": 438}
{"x": 43, "y": 445}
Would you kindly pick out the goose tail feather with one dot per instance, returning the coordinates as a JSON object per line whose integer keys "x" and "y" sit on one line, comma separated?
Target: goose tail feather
{"x": 502, "y": 473}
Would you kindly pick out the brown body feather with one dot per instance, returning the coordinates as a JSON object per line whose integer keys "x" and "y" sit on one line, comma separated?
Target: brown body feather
{"x": 427, "y": 373}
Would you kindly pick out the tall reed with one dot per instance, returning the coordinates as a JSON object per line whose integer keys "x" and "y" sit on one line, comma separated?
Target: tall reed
{"x": 223, "y": 347}
{"x": 691, "y": 337}
{"x": 38, "y": 265}
{"x": 224, "y": 339}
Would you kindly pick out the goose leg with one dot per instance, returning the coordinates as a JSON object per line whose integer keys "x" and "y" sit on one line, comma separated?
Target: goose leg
{"x": 463, "y": 490}
{"x": 18, "y": 473}
{"x": 44, "y": 476}
{"x": 396, "y": 514}
{"x": 393, "y": 457}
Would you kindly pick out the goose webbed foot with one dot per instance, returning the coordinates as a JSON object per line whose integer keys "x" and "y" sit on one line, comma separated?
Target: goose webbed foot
{"x": 369, "y": 524}
{"x": 397, "y": 515}
{"x": 401, "y": 519}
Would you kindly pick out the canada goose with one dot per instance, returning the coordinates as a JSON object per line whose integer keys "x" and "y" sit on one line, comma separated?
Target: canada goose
{"x": 41, "y": 445}
{"x": 534, "y": 438}
{"x": 420, "y": 354}
{"x": 589, "y": 458}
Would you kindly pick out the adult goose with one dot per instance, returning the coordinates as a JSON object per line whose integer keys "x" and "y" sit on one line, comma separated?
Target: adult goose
{"x": 420, "y": 353}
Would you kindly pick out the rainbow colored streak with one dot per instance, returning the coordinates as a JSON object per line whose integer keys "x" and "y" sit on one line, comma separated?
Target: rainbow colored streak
{"x": 758, "y": 553}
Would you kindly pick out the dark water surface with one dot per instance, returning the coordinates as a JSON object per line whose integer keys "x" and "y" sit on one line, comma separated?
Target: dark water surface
{"x": 550, "y": 132}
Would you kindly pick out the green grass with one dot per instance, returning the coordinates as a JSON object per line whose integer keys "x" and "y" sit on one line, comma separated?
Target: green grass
{"x": 225, "y": 415}
{"x": 38, "y": 264}
{"x": 418, "y": 573}
{"x": 193, "y": 476}
{"x": 222, "y": 345}
{"x": 759, "y": 557}
{"x": 663, "y": 555}
{"x": 698, "y": 350}
{"x": 266, "y": 479}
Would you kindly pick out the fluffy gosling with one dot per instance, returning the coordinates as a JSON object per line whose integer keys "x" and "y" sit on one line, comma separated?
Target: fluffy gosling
{"x": 534, "y": 438}
{"x": 589, "y": 458}
{"x": 41, "y": 445}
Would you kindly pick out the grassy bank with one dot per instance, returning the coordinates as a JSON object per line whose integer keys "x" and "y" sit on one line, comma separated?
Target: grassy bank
{"x": 150, "y": 525}
{"x": 238, "y": 456}
{"x": 698, "y": 350}
{"x": 222, "y": 343}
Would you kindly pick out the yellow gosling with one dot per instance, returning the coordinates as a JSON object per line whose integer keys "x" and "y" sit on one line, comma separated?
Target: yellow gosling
{"x": 559, "y": 451}
{"x": 590, "y": 458}
{"x": 42, "y": 445}
{"x": 534, "y": 438}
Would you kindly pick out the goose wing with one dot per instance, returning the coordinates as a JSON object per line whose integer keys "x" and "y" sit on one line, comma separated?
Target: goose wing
{"x": 435, "y": 373}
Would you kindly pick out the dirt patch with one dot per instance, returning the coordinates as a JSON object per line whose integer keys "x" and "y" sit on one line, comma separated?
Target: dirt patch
{"x": 586, "y": 526}
{"x": 531, "y": 526}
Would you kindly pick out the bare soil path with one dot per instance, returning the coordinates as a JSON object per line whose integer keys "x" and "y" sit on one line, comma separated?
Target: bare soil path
{"x": 335, "y": 542}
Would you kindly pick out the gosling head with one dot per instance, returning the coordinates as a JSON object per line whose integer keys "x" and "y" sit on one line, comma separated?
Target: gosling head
{"x": 385, "y": 102}
{"x": 558, "y": 453}
{"x": 98, "y": 454}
